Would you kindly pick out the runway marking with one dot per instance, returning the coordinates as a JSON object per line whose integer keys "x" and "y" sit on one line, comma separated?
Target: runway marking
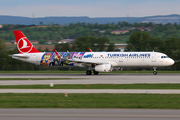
{"x": 94, "y": 115}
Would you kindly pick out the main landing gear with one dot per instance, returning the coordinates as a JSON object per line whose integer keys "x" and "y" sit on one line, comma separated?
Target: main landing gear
{"x": 95, "y": 72}
{"x": 155, "y": 73}
{"x": 89, "y": 72}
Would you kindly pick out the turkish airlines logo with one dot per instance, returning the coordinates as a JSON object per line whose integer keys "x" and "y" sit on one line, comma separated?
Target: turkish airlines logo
{"x": 24, "y": 46}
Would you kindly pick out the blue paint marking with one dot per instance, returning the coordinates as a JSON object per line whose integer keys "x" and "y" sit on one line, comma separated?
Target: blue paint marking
{"x": 88, "y": 55}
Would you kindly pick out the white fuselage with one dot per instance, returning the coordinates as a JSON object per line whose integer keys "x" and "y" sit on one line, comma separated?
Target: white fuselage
{"x": 132, "y": 59}
{"x": 121, "y": 59}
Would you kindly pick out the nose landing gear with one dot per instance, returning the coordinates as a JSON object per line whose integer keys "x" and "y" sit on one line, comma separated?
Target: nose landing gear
{"x": 155, "y": 73}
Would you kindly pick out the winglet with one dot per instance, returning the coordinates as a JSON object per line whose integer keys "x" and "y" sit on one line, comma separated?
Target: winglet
{"x": 90, "y": 50}
{"x": 57, "y": 54}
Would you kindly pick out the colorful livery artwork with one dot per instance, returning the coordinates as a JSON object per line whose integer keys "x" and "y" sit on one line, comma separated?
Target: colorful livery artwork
{"x": 51, "y": 59}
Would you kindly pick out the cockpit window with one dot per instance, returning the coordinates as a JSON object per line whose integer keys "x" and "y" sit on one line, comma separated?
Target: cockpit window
{"x": 164, "y": 57}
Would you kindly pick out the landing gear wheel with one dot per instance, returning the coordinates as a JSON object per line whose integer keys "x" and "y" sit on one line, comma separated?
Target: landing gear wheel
{"x": 88, "y": 72}
{"x": 155, "y": 73}
{"x": 61, "y": 64}
{"x": 95, "y": 72}
{"x": 154, "y": 68}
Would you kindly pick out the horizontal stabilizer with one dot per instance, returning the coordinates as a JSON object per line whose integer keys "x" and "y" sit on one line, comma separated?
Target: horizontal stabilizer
{"x": 24, "y": 56}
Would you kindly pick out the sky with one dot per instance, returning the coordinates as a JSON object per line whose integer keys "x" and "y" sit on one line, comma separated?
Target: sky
{"x": 89, "y": 8}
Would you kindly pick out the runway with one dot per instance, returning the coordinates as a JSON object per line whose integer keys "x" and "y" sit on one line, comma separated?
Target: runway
{"x": 90, "y": 79}
{"x": 133, "y": 91}
{"x": 89, "y": 114}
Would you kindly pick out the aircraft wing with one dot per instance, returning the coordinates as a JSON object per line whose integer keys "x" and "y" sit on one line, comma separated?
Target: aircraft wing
{"x": 84, "y": 61}
{"x": 79, "y": 61}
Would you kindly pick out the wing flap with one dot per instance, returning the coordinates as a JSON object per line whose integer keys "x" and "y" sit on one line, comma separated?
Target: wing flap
{"x": 84, "y": 61}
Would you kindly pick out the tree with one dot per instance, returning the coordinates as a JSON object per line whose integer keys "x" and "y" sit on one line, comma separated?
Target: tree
{"x": 62, "y": 47}
{"x": 2, "y": 46}
{"x": 83, "y": 43}
{"x": 96, "y": 44}
{"x": 142, "y": 41}
{"x": 101, "y": 41}
{"x": 111, "y": 47}
{"x": 171, "y": 47}
{"x": 3, "y": 55}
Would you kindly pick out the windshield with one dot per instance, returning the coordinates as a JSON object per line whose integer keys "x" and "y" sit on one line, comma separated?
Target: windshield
{"x": 164, "y": 57}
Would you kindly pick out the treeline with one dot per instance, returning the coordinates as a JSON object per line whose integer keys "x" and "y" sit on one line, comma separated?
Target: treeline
{"x": 83, "y": 43}
{"x": 75, "y": 30}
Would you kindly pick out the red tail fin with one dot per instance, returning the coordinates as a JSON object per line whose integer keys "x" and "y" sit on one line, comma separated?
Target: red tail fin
{"x": 23, "y": 44}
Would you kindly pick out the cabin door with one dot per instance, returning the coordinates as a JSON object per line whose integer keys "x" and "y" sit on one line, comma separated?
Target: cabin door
{"x": 38, "y": 59}
{"x": 153, "y": 57}
{"x": 120, "y": 59}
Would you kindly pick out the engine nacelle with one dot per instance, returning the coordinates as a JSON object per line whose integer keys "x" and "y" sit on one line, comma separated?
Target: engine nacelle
{"x": 103, "y": 68}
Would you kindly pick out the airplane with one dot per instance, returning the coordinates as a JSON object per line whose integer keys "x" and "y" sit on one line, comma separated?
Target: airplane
{"x": 95, "y": 61}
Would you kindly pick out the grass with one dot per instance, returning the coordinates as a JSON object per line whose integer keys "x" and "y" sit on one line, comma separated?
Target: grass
{"x": 45, "y": 72}
{"x": 39, "y": 78}
{"x": 94, "y": 86}
{"x": 57, "y": 72}
{"x": 45, "y": 100}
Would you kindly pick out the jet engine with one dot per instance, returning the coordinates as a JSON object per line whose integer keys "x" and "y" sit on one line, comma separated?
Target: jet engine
{"x": 103, "y": 68}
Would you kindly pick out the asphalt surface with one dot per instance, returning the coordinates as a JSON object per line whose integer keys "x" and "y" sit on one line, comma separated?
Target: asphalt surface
{"x": 90, "y": 79}
{"x": 89, "y": 114}
{"x": 133, "y": 91}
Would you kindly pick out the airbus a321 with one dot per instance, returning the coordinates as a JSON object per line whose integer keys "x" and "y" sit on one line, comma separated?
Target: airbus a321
{"x": 95, "y": 61}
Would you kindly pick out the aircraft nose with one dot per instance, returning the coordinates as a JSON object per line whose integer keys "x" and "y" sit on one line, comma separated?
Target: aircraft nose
{"x": 171, "y": 61}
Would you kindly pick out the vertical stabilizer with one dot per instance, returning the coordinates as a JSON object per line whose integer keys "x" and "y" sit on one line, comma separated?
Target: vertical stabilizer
{"x": 23, "y": 44}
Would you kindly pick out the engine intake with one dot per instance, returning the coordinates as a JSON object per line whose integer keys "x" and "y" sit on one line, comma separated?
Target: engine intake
{"x": 103, "y": 68}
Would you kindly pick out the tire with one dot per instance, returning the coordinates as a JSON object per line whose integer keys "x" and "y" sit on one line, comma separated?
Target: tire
{"x": 95, "y": 72}
{"x": 61, "y": 64}
{"x": 88, "y": 72}
{"x": 155, "y": 73}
